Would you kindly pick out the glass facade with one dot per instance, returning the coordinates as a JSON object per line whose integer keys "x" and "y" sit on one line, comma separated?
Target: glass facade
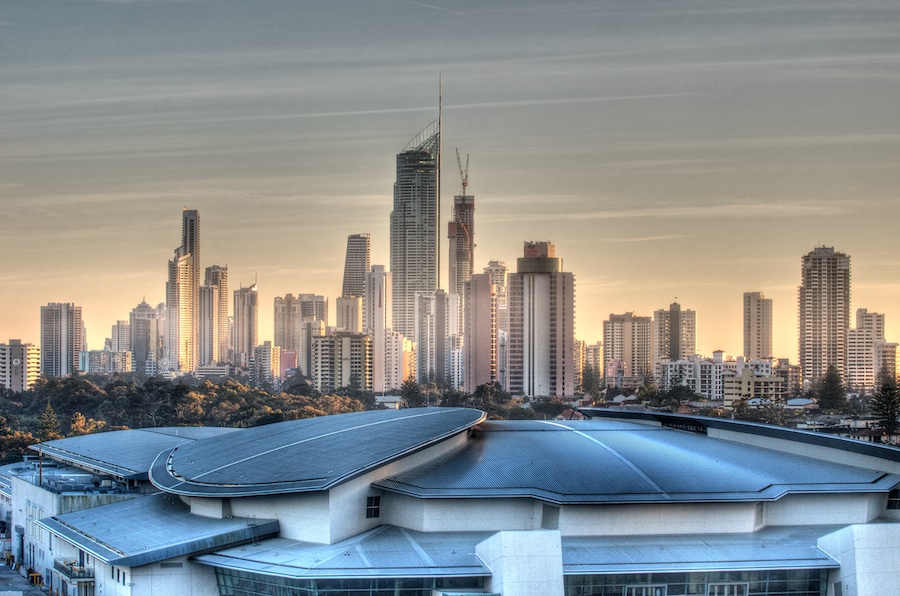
{"x": 240, "y": 583}
{"x": 780, "y": 582}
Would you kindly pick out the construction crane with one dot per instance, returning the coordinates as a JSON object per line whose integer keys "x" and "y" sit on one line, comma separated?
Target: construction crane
{"x": 463, "y": 172}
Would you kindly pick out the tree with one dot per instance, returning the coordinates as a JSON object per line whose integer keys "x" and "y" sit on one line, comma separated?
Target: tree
{"x": 411, "y": 392}
{"x": 886, "y": 403}
{"x": 49, "y": 426}
{"x": 84, "y": 426}
{"x": 832, "y": 397}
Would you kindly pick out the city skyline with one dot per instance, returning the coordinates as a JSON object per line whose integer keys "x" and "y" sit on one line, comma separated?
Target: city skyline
{"x": 672, "y": 156}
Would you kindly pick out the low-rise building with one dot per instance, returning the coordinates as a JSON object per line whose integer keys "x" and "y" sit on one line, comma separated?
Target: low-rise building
{"x": 439, "y": 501}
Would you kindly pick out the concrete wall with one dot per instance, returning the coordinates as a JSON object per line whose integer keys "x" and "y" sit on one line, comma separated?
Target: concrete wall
{"x": 803, "y": 510}
{"x": 166, "y": 577}
{"x": 326, "y": 517}
{"x": 837, "y": 456}
{"x": 868, "y": 557}
{"x": 460, "y": 515}
{"x": 524, "y": 563}
{"x": 666, "y": 518}
{"x": 302, "y": 516}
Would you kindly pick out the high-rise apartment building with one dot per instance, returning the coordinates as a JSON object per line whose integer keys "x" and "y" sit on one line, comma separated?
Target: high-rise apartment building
{"x": 626, "y": 347}
{"x": 480, "y": 331}
{"x": 342, "y": 359}
{"x": 437, "y": 336}
{"x": 498, "y": 271}
{"x": 461, "y": 234}
{"x": 288, "y": 322}
{"x": 217, "y": 275}
{"x": 757, "y": 326}
{"x": 541, "y": 324}
{"x": 356, "y": 265}
{"x": 674, "y": 333}
{"x": 824, "y": 312}
{"x": 246, "y": 325}
{"x": 399, "y": 360}
{"x": 266, "y": 366}
{"x": 146, "y": 339}
{"x": 350, "y": 313}
{"x": 183, "y": 297}
{"x": 414, "y": 224}
{"x": 209, "y": 328}
{"x": 377, "y": 320}
{"x": 120, "y": 337}
{"x": 20, "y": 365}
{"x": 867, "y": 350}
{"x": 62, "y": 339}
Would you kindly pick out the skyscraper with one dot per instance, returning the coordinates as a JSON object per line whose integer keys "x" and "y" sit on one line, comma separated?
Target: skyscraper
{"x": 414, "y": 222}
{"x": 461, "y": 235}
{"x": 209, "y": 325}
{"x": 146, "y": 339}
{"x": 541, "y": 324}
{"x": 246, "y": 325}
{"x": 480, "y": 329}
{"x": 20, "y": 365}
{"x": 217, "y": 275}
{"x": 183, "y": 297}
{"x": 377, "y": 323}
{"x": 626, "y": 347}
{"x": 120, "y": 337}
{"x": 757, "y": 326}
{"x": 356, "y": 265}
{"x": 674, "y": 333}
{"x": 62, "y": 339}
{"x": 824, "y": 305}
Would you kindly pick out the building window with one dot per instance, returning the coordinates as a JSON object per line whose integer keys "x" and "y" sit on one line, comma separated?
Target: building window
{"x": 894, "y": 499}
{"x": 373, "y": 507}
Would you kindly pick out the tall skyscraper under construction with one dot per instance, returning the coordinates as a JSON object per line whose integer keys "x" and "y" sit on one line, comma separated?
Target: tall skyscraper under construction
{"x": 414, "y": 225}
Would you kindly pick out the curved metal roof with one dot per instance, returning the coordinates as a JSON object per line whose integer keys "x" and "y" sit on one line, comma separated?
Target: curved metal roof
{"x": 304, "y": 455}
{"x": 614, "y": 461}
{"x": 124, "y": 453}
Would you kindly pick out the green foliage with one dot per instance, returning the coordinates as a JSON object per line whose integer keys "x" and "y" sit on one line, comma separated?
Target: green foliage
{"x": 886, "y": 403}
{"x": 49, "y": 425}
{"x": 411, "y": 392}
{"x": 830, "y": 392}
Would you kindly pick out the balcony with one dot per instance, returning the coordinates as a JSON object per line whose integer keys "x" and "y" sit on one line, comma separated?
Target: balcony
{"x": 72, "y": 572}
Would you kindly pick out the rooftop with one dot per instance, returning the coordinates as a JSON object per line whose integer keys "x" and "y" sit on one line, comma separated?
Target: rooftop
{"x": 616, "y": 461}
{"x": 304, "y": 455}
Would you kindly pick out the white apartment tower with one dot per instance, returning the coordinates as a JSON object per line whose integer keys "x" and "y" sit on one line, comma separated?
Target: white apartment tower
{"x": 377, "y": 323}
{"x": 62, "y": 339}
{"x": 757, "y": 326}
{"x": 437, "y": 338}
{"x": 541, "y": 324}
{"x": 414, "y": 224}
{"x": 824, "y": 312}
{"x": 626, "y": 346}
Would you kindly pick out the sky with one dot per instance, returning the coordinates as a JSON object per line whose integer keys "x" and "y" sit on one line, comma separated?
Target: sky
{"x": 672, "y": 150}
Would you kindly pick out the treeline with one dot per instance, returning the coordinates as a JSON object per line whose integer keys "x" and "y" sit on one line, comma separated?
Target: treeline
{"x": 78, "y": 404}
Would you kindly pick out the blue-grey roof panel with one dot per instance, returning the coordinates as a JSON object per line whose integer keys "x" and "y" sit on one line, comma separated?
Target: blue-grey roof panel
{"x": 150, "y": 529}
{"x": 127, "y": 453}
{"x": 612, "y": 461}
{"x": 770, "y": 548}
{"x": 386, "y": 551}
{"x": 305, "y": 455}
